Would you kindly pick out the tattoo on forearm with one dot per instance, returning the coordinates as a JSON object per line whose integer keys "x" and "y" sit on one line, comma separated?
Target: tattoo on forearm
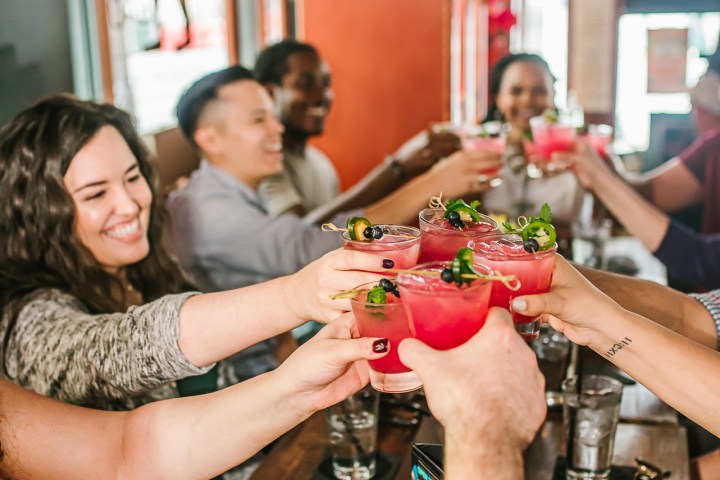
{"x": 618, "y": 346}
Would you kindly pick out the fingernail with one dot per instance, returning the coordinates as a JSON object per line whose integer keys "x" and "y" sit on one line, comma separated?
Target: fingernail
{"x": 380, "y": 346}
{"x": 387, "y": 263}
{"x": 519, "y": 305}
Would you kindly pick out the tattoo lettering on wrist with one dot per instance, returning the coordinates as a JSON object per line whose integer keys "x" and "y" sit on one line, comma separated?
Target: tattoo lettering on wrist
{"x": 618, "y": 346}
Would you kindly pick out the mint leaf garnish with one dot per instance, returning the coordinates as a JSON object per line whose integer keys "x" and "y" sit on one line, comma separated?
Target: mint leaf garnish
{"x": 545, "y": 213}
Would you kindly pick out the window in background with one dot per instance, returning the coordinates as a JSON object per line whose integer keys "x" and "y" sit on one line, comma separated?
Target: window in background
{"x": 635, "y": 106}
{"x": 544, "y": 31}
{"x": 157, "y": 48}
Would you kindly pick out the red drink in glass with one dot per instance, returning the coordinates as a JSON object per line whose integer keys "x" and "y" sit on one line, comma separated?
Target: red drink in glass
{"x": 441, "y": 241}
{"x": 505, "y": 255}
{"x": 388, "y": 320}
{"x": 600, "y": 137}
{"x": 398, "y": 243}
{"x": 441, "y": 314}
{"x": 487, "y": 137}
{"x": 549, "y": 137}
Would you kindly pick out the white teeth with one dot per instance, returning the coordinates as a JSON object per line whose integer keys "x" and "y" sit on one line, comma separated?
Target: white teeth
{"x": 124, "y": 230}
{"x": 275, "y": 147}
{"x": 317, "y": 111}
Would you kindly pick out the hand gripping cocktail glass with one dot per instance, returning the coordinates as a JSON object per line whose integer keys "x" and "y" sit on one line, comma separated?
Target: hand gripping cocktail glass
{"x": 505, "y": 255}
{"x": 600, "y": 137}
{"x": 442, "y": 314}
{"x": 550, "y": 137}
{"x": 399, "y": 243}
{"x": 488, "y": 137}
{"x": 441, "y": 241}
{"x": 388, "y": 320}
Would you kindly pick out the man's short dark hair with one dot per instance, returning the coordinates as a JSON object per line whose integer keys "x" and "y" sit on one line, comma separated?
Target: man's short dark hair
{"x": 192, "y": 103}
{"x": 272, "y": 63}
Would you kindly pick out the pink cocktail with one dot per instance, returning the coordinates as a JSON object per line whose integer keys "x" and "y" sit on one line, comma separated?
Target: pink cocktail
{"x": 550, "y": 137}
{"x": 600, "y": 137}
{"x": 441, "y": 241}
{"x": 388, "y": 320}
{"x": 505, "y": 255}
{"x": 399, "y": 243}
{"x": 441, "y": 314}
{"x": 487, "y": 137}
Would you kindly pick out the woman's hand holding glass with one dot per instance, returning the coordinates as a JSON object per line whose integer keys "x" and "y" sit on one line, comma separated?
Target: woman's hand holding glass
{"x": 331, "y": 365}
{"x": 309, "y": 290}
{"x": 573, "y": 306}
{"x": 459, "y": 174}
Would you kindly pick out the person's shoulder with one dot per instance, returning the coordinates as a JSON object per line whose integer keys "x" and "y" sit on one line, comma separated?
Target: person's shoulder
{"x": 43, "y": 301}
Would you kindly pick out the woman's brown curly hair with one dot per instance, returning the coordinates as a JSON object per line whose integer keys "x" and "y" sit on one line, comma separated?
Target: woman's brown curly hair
{"x": 39, "y": 248}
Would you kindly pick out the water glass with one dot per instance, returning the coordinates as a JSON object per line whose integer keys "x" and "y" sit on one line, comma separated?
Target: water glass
{"x": 590, "y": 419}
{"x": 353, "y": 426}
{"x": 589, "y": 240}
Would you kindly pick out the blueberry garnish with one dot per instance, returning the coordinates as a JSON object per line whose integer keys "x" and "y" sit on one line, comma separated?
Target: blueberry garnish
{"x": 447, "y": 275}
{"x": 396, "y": 291}
{"x": 368, "y": 232}
{"x": 377, "y": 232}
{"x": 453, "y": 217}
{"x": 386, "y": 285}
{"x": 531, "y": 245}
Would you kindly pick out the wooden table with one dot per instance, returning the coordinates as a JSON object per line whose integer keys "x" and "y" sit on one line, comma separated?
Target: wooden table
{"x": 300, "y": 451}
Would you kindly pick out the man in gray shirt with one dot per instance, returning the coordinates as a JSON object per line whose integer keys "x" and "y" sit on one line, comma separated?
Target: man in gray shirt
{"x": 220, "y": 229}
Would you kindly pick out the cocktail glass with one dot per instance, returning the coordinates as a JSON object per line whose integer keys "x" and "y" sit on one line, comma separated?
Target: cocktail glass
{"x": 441, "y": 241}
{"x": 441, "y": 314}
{"x": 387, "y": 374}
{"x": 600, "y": 137}
{"x": 399, "y": 243}
{"x": 505, "y": 255}
{"x": 550, "y": 137}
{"x": 489, "y": 137}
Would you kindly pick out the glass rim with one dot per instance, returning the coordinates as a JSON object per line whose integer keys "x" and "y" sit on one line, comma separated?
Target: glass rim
{"x": 483, "y": 219}
{"x": 613, "y": 383}
{"x": 526, "y": 256}
{"x": 445, "y": 264}
{"x": 539, "y": 121}
{"x": 397, "y": 228}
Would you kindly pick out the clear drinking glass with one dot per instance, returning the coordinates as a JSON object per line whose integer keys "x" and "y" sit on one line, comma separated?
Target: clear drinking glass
{"x": 399, "y": 243}
{"x": 590, "y": 420}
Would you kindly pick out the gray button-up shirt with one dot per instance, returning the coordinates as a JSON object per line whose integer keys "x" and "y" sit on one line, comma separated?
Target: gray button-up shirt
{"x": 225, "y": 238}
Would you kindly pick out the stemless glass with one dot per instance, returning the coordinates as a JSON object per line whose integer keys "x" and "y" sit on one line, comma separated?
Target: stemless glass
{"x": 387, "y": 320}
{"x": 490, "y": 137}
{"x": 441, "y": 241}
{"x": 505, "y": 255}
{"x": 399, "y": 243}
{"x": 550, "y": 137}
{"x": 441, "y": 314}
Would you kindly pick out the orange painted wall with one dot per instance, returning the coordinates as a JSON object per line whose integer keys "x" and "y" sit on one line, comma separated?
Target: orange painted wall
{"x": 389, "y": 64}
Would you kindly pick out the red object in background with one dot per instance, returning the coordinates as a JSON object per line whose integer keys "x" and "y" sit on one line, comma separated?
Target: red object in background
{"x": 500, "y": 21}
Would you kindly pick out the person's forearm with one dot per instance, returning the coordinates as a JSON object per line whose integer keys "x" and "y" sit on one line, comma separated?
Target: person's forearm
{"x": 481, "y": 459}
{"x": 681, "y": 372}
{"x": 663, "y": 305}
{"x": 213, "y": 326}
{"x": 371, "y": 188}
{"x": 403, "y": 205}
{"x": 636, "y": 214}
{"x": 199, "y": 437}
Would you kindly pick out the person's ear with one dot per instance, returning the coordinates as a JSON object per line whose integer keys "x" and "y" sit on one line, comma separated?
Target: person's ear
{"x": 208, "y": 139}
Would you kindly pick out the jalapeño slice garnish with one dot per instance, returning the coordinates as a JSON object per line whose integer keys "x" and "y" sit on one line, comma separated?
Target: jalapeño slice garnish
{"x": 356, "y": 229}
{"x": 466, "y": 212}
{"x": 542, "y": 232}
{"x": 461, "y": 265}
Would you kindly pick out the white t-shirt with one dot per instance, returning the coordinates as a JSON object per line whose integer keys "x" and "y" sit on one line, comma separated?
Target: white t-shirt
{"x": 310, "y": 180}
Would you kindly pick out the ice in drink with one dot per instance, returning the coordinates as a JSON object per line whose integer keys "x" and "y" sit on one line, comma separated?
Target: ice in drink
{"x": 505, "y": 255}
{"x": 440, "y": 241}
